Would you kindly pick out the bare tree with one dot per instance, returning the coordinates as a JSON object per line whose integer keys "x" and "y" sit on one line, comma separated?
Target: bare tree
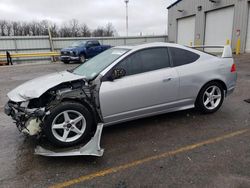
{"x": 99, "y": 32}
{"x": 34, "y": 28}
{"x": 9, "y": 30}
{"x": 74, "y": 25}
{"x": 65, "y": 31}
{"x": 71, "y": 28}
{"x": 54, "y": 30}
{"x": 3, "y": 27}
{"x": 26, "y": 29}
{"x": 109, "y": 30}
{"x": 85, "y": 31}
{"x": 44, "y": 27}
{"x": 15, "y": 27}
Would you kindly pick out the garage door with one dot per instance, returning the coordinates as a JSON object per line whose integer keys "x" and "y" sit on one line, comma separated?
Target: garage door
{"x": 248, "y": 34}
{"x": 186, "y": 28}
{"x": 219, "y": 26}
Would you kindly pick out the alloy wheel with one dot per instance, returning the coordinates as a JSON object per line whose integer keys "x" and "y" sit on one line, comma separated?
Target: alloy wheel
{"x": 68, "y": 126}
{"x": 212, "y": 97}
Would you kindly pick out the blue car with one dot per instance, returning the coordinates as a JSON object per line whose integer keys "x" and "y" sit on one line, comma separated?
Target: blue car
{"x": 82, "y": 50}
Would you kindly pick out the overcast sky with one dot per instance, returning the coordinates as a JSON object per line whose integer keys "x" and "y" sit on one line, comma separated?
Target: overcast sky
{"x": 146, "y": 16}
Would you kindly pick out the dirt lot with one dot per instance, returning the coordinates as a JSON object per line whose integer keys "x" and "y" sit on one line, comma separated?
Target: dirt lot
{"x": 182, "y": 149}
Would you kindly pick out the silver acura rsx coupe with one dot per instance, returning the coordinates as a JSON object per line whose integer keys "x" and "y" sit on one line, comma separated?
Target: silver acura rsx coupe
{"x": 121, "y": 84}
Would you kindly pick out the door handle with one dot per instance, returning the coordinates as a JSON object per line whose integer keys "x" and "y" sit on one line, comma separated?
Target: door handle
{"x": 167, "y": 80}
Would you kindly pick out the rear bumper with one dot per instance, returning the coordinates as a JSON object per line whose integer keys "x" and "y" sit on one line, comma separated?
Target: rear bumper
{"x": 230, "y": 90}
{"x": 69, "y": 58}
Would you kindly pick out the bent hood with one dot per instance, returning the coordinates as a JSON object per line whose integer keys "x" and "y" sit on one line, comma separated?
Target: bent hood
{"x": 38, "y": 86}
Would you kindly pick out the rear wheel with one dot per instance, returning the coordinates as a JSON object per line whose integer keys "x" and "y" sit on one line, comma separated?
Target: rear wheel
{"x": 210, "y": 98}
{"x": 68, "y": 124}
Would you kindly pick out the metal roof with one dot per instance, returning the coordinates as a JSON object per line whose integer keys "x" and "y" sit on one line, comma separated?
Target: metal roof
{"x": 176, "y": 2}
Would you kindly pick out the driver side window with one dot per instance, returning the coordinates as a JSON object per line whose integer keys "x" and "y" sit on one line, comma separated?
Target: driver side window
{"x": 90, "y": 44}
{"x": 145, "y": 61}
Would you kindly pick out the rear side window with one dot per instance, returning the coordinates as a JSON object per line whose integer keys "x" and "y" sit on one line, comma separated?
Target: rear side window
{"x": 182, "y": 57}
{"x": 95, "y": 43}
{"x": 145, "y": 61}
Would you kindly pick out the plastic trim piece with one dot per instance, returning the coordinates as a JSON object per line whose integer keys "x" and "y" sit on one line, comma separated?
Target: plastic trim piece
{"x": 91, "y": 148}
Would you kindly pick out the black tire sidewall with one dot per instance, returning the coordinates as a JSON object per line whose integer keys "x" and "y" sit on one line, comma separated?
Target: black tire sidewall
{"x": 57, "y": 110}
{"x": 65, "y": 62}
{"x": 199, "y": 102}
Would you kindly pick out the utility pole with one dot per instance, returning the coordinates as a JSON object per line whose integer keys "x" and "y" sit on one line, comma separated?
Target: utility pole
{"x": 51, "y": 44}
{"x": 126, "y": 1}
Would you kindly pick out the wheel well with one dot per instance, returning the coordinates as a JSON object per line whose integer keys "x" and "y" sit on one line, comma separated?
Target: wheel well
{"x": 85, "y": 104}
{"x": 218, "y": 81}
{"x": 221, "y": 83}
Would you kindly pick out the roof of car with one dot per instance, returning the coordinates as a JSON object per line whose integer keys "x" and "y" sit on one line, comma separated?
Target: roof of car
{"x": 148, "y": 45}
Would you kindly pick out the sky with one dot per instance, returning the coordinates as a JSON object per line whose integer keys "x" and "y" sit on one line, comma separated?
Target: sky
{"x": 148, "y": 17}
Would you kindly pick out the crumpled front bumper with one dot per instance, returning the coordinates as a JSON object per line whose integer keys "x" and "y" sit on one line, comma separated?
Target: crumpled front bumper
{"x": 69, "y": 58}
{"x": 27, "y": 120}
{"x": 7, "y": 109}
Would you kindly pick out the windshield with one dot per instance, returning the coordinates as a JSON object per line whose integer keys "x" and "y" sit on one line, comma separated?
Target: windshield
{"x": 79, "y": 43}
{"x": 97, "y": 64}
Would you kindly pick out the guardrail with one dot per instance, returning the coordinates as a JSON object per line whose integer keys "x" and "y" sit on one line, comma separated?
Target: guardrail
{"x": 22, "y": 55}
{"x": 6, "y": 59}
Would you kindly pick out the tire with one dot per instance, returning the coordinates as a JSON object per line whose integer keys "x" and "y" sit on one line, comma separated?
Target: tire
{"x": 68, "y": 124}
{"x": 65, "y": 62}
{"x": 82, "y": 58}
{"x": 210, "y": 98}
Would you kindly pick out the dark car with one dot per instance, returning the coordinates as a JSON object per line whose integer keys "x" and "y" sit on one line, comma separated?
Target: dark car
{"x": 82, "y": 50}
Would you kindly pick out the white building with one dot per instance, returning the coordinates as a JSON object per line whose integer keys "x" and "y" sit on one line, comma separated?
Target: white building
{"x": 210, "y": 22}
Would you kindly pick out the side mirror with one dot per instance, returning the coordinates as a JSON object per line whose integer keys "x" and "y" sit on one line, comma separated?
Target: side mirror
{"x": 118, "y": 73}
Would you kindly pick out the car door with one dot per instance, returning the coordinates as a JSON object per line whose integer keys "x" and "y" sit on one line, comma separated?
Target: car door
{"x": 98, "y": 47}
{"x": 91, "y": 49}
{"x": 189, "y": 71}
{"x": 150, "y": 86}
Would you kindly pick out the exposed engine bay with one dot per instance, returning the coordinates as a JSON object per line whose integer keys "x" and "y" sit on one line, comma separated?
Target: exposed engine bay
{"x": 29, "y": 115}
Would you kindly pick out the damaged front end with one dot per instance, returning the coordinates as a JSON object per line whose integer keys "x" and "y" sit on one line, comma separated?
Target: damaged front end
{"x": 28, "y": 121}
{"x": 29, "y": 115}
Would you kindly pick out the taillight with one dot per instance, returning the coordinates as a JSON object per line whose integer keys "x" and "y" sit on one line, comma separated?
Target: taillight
{"x": 233, "y": 68}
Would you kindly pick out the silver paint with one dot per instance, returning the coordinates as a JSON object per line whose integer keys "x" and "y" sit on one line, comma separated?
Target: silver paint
{"x": 146, "y": 94}
{"x": 38, "y": 86}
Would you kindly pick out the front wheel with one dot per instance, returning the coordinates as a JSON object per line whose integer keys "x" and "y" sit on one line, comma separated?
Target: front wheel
{"x": 210, "y": 98}
{"x": 68, "y": 124}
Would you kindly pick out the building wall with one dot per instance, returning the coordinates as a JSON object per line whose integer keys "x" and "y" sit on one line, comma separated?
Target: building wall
{"x": 190, "y": 8}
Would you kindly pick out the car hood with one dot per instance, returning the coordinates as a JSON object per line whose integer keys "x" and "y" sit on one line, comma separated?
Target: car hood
{"x": 70, "y": 49}
{"x": 38, "y": 86}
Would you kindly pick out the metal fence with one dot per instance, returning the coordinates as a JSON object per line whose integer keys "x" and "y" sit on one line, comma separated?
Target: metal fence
{"x": 30, "y": 44}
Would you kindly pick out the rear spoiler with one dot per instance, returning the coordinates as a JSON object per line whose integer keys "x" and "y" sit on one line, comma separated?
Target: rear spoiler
{"x": 227, "y": 50}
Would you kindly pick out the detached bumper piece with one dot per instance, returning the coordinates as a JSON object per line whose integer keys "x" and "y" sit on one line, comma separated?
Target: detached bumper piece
{"x": 91, "y": 148}
{"x": 7, "y": 110}
{"x": 247, "y": 100}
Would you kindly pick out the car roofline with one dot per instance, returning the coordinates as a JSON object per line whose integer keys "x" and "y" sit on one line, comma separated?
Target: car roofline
{"x": 150, "y": 45}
